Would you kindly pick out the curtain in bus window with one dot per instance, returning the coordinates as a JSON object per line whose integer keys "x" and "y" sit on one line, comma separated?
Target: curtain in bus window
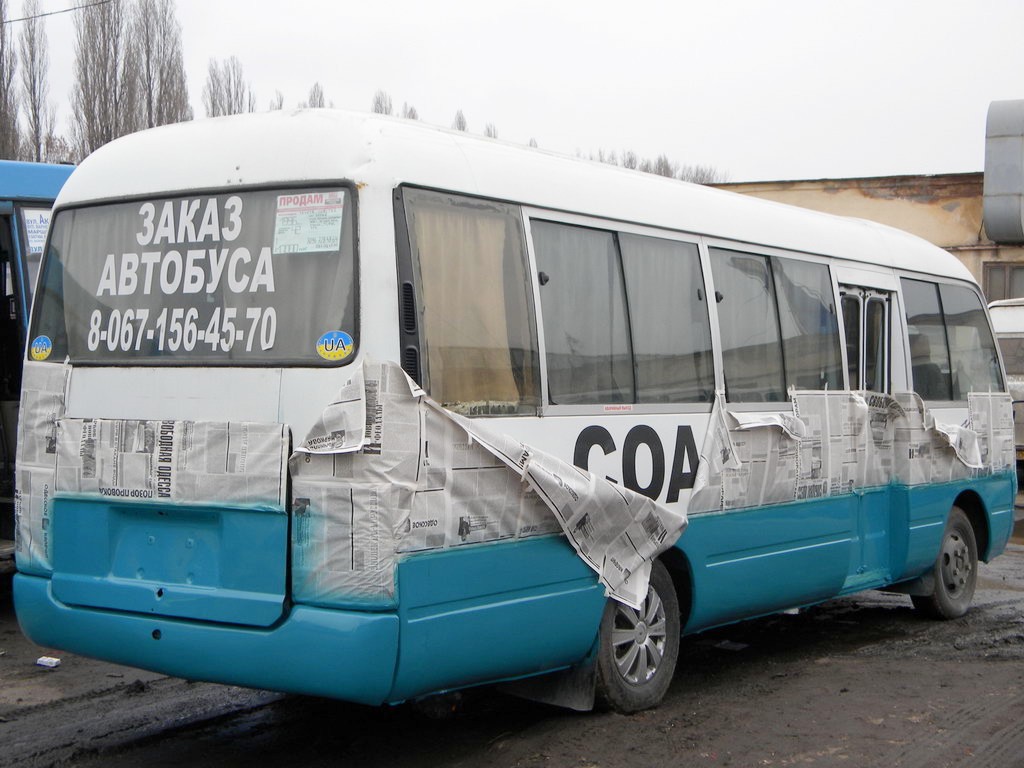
{"x": 583, "y": 302}
{"x": 810, "y": 329}
{"x": 481, "y": 353}
{"x": 669, "y": 318}
{"x": 749, "y": 328}
{"x": 929, "y": 357}
{"x": 972, "y": 351}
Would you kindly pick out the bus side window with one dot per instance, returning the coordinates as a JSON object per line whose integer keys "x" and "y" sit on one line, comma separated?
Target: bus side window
{"x": 669, "y": 320}
{"x": 929, "y": 356}
{"x": 478, "y": 328}
{"x": 876, "y": 344}
{"x": 749, "y": 326}
{"x": 851, "y": 304}
{"x": 586, "y": 332}
{"x": 952, "y": 351}
{"x": 972, "y": 350}
{"x": 810, "y": 328}
{"x": 866, "y": 323}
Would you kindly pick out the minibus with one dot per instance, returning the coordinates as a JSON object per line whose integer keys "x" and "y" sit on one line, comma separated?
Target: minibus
{"x": 352, "y": 406}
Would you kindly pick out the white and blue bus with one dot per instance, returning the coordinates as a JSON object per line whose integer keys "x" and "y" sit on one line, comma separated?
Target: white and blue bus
{"x": 27, "y": 191}
{"x": 281, "y": 364}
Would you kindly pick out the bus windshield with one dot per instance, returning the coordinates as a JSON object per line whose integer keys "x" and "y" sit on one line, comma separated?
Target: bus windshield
{"x": 244, "y": 278}
{"x": 1012, "y": 348}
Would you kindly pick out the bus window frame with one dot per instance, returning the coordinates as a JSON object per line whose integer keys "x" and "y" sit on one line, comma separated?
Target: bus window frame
{"x": 786, "y": 405}
{"x": 865, "y": 296}
{"x": 615, "y": 228}
{"x": 886, "y": 339}
{"x": 901, "y": 315}
{"x": 411, "y": 340}
{"x": 857, "y": 299}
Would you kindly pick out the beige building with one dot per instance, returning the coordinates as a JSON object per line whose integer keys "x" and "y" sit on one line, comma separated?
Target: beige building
{"x": 944, "y": 209}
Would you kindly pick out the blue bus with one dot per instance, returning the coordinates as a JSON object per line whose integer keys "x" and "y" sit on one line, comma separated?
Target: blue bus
{"x": 351, "y": 406}
{"x": 27, "y": 191}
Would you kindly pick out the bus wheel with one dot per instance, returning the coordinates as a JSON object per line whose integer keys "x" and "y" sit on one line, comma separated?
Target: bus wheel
{"x": 638, "y": 649}
{"x": 955, "y": 571}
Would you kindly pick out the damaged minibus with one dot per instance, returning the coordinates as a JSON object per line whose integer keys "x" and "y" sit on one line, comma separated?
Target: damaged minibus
{"x": 352, "y": 406}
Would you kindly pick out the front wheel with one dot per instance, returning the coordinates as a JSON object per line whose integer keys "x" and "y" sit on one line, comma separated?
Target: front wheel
{"x": 638, "y": 649}
{"x": 955, "y": 571}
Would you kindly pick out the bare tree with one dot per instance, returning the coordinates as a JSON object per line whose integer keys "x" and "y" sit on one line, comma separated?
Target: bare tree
{"x": 459, "y": 123}
{"x": 316, "y": 96}
{"x": 104, "y": 100}
{"x": 702, "y": 174}
{"x": 662, "y": 166}
{"x": 491, "y": 131}
{"x": 409, "y": 111}
{"x": 35, "y": 67}
{"x": 277, "y": 102}
{"x": 381, "y": 103}
{"x": 57, "y": 149}
{"x": 163, "y": 88}
{"x": 226, "y": 92}
{"x": 9, "y": 138}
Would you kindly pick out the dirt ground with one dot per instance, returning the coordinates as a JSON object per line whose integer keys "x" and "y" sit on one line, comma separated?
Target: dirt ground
{"x": 860, "y": 681}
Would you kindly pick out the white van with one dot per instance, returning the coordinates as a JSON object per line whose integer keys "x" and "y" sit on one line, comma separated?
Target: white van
{"x": 1008, "y": 323}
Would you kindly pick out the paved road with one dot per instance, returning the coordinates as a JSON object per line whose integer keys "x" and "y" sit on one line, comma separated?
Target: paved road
{"x": 860, "y": 681}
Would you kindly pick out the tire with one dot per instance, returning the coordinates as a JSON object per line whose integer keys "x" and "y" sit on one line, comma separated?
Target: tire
{"x": 637, "y": 654}
{"x": 955, "y": 571}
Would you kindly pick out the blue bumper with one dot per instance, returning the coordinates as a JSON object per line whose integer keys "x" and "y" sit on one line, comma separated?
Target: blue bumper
{"x": 349, "y": 655}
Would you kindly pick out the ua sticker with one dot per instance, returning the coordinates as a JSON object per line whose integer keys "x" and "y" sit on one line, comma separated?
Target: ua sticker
{"x": 334, "y": 345}
{"x": 41, "y": 347}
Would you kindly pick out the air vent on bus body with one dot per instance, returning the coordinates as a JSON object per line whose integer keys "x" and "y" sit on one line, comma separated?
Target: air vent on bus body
{"x": 411, "y": 363}
{"x": 408, "y": 308}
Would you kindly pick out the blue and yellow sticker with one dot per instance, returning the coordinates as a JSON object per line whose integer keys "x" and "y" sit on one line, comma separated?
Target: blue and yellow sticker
{"x": 334, "y": 345}
{"x": 41, "y": 348}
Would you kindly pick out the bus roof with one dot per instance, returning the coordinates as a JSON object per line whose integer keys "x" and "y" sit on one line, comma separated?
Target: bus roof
{"x": 320, "y": 145}
{"x": 31, "y": 181}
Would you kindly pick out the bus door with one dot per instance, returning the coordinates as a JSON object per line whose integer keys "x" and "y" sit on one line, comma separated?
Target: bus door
{"x": 866, "y": 319}
{"x": 11, "y": 340}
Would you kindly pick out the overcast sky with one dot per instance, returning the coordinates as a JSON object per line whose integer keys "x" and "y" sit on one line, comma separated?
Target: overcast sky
{"x": 769, "y": 89}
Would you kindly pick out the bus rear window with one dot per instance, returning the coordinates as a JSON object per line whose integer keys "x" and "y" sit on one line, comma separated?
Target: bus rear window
{"x": 244, "y": 278}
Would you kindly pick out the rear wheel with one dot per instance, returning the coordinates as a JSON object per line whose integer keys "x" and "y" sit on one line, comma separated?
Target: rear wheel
{"x": 638, "y": 649}
{"x": 955, "y": 571}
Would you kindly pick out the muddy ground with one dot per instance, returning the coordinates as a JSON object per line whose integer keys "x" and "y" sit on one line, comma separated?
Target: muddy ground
{"x": 860, "y": 681}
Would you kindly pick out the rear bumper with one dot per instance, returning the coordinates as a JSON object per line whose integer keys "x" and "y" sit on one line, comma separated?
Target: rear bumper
{"x": 347, "y": 655}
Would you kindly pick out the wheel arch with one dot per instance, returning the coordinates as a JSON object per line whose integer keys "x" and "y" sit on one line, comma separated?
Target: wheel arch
{"x": 973, "y": 506}
{"x": 678, "y": 566}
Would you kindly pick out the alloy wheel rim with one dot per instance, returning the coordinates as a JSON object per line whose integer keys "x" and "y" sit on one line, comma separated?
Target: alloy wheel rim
{"x": 638, "y": 639}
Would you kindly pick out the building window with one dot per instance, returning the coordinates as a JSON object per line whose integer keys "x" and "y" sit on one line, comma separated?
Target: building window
{"x": 1003, "y": 281}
